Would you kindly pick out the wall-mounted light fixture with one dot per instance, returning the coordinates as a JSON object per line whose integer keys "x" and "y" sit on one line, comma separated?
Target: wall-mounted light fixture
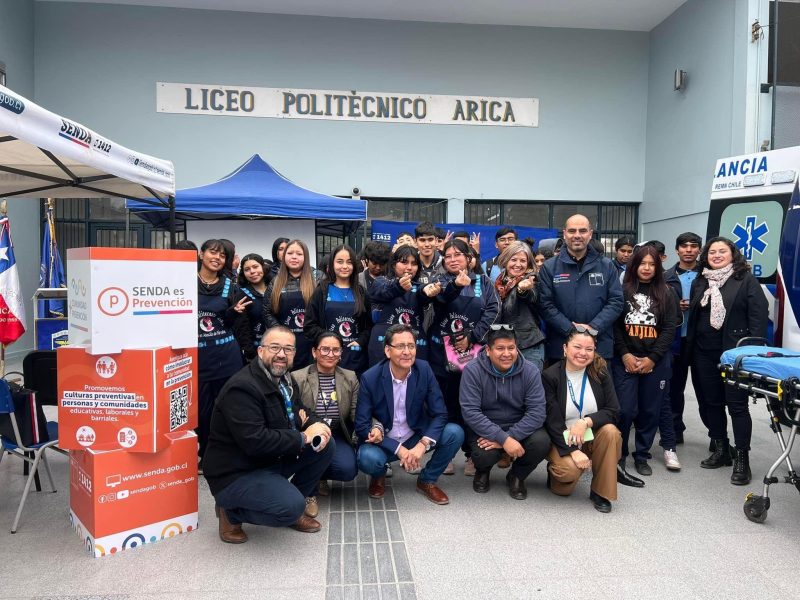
{"x": 680, "y": 80}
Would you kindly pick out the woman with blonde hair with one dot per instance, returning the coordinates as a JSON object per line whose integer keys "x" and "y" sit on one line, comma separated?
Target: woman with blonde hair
{"x": 516, "y": 290}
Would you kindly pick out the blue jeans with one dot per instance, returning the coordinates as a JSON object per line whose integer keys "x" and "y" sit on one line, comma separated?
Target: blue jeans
{"x": 343, "y": 467}
{"x": 535, "y": 354}
{"x": 267, "y": 497}
{"x": 372, "y": 459}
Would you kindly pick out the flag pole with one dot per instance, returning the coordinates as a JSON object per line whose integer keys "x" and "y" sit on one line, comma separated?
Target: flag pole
{"x": 3, "y": 213}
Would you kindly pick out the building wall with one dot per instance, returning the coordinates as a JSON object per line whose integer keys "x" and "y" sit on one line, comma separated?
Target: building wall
{"x": 687, "y": 131}
{"x": 16, "y": 51}
{"x": 592, "y": 87}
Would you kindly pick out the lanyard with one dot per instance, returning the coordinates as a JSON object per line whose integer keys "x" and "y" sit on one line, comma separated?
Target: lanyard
{"x": 572, "y": 394}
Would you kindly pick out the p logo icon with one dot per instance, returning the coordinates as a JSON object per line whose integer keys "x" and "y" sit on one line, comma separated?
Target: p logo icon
{"x": 112, "y": 301}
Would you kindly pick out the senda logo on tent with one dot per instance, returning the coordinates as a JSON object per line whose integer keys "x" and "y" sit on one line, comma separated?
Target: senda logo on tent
{"x": 12, "y": 104}
{"x": 75, "y": 133}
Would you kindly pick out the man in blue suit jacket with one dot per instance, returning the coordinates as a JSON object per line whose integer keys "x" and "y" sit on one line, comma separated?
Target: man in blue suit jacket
{"x": 401, "y": 415}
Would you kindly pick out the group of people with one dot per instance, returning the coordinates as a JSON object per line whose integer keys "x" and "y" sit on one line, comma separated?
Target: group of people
{"x": 314, "y": 375}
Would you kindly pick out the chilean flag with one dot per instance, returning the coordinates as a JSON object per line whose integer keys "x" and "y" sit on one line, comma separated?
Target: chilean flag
{"x": 12, "y": 312}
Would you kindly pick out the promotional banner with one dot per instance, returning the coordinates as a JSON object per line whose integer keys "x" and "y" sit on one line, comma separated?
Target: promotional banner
{"x": 12, "y": 311}
{"x": 387, "y": 231}
{"x": 125, "y": 401}
{"x": 88, "y": 157}
{"x": 132, "y": 298}
{"x": 119, "y": 500}
{"x": 353, "y": 105}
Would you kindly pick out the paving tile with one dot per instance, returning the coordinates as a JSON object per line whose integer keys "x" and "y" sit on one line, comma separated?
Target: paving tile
{"x": 333, "y": 593}
{"x": 379, "y": 526}
{"x": 395, "y": 530}
{"x": 383, "y": 554}
{"x": 350, "y": 528}
{"x": 364, "y": 527}
{"x": 351, "y": 592}
{"x": 370, "y": 592}
{"x": 350, "y": 566}
{"x": 335, "y": 528}
{"x": 407, "y": 591}
{"x": 334, "y": 567}
{"x": 389, "y": 592}
{"x": 369, "y": 572}
{"x": 401, "y": 565}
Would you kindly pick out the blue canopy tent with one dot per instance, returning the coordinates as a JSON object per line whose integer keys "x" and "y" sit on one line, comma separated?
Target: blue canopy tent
{"x": 257, "y": 191}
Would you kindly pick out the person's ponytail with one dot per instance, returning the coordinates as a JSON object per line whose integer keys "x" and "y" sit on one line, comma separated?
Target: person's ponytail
{"x": 598, "y": 369}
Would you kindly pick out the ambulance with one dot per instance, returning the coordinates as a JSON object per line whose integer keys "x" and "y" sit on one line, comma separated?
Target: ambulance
{"x": 755, "y": 203}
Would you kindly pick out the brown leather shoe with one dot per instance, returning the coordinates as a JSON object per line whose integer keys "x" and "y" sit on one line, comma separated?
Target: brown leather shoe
{"x": 432, "y": 492}
{"x": 228, "y": 532}
{"x": 324, "y": 488}
{"x": 377, "y": 487}
{"x": 306, "y": 525}
{"x": 312, "y": 508}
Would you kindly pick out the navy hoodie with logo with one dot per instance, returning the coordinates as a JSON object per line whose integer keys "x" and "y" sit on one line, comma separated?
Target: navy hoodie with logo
{"x": 572, "y": 292}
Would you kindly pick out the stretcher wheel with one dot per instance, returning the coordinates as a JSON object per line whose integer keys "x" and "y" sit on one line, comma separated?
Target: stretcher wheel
{"x": 756, "y": 508}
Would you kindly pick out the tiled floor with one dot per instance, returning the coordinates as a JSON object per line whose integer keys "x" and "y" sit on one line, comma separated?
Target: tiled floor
{"x": 682, "y": 536}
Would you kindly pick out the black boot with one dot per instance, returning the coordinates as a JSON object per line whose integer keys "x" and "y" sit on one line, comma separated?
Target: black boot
{"x": 741, "y": 468}
{"x": 721, "y": 457}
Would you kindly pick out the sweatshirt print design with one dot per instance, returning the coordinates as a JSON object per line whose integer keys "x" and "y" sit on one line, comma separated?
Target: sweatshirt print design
{"x": 640, "y": 321}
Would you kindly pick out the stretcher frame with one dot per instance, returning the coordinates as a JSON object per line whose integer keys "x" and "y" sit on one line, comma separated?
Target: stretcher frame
{"x": 782, "y": 398}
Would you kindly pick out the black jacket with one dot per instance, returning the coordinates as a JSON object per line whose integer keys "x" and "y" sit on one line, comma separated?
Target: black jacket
{"x": 250, "y": 427}
{"x": 746, "y": 310}
{"x": 519, "y": 309}
{"x": 554, "y": 379}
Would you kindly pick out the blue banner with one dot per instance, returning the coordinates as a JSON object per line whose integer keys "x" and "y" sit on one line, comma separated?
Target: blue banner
{"x": 388, "y": 231}
{"x": 51, "y": 274}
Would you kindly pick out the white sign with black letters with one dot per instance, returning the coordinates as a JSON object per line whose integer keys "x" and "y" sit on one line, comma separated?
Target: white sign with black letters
{"x": 381, "y": 107}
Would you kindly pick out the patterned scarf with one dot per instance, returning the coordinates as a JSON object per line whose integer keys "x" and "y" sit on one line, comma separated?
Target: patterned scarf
{"x": 504, "y": 284}
{"x": 716, "y": 279}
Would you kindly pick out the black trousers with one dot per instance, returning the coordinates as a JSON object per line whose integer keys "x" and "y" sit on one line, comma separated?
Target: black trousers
{"x": 713, "y": 396}
{"x": 677, "y": 385}
{"x": 536, "y": 445}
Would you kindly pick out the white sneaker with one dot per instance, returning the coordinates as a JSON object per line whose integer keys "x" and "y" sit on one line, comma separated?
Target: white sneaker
{"x": 388, "y": 471}
{"x": 671, "y": 460}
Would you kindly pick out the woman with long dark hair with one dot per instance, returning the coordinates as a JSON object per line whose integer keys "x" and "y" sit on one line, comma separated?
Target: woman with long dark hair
{"x": 462, "y": 315}
{"x": 278, "y": 249}
{"x": 726, "y": 304}
{"x": 642, "y": 364}
{"x": 398, "y": 297}
{"x": 253, "y": 285}
{"x": 219, "y": 314}
{"x": 341, "y": 304}
{"x": 287, "y": 297}
{"x": 582, "y": 410}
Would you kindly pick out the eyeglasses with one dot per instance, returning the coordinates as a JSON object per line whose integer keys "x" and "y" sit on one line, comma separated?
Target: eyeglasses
{"x": 583, "y": 329}
{"x": 403, "y": 347}
{"x": 326, "y": 351}
{"x": 508, "y": 239}
{"x": 453, "y": 255}
{"x": 276, "y": 349}
{"x": 501, "y": 326}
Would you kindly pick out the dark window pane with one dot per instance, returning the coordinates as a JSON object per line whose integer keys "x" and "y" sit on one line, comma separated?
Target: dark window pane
{"x": 527, "y": 214}
{"x": 386, "y": 210}
{"x": 483, "y": 213}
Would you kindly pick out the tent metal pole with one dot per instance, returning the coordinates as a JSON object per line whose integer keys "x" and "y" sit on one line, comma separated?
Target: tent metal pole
{"x": 172, "y": 222}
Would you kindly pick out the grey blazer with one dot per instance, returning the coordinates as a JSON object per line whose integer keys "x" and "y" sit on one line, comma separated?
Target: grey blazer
{"x": 347, "y": 387}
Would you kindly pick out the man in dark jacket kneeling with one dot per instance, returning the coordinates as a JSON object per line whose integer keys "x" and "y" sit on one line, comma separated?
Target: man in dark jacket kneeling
{"x": 503, "y": 404}
{"x": 260, "y": 436}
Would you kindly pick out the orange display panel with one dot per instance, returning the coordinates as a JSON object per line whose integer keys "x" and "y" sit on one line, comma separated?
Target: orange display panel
{"x": 121, "y": 500}
{"x": 128, "y": 400}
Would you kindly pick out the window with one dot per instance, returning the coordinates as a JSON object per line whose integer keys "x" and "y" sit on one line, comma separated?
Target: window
{"x": 609, "y": 221}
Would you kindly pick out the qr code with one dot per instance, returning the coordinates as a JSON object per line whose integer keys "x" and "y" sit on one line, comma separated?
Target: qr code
{"x": 178, "y": 407}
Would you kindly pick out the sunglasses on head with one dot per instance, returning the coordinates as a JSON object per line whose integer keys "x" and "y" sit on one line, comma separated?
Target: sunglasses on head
{"x": 583, "y": 329}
